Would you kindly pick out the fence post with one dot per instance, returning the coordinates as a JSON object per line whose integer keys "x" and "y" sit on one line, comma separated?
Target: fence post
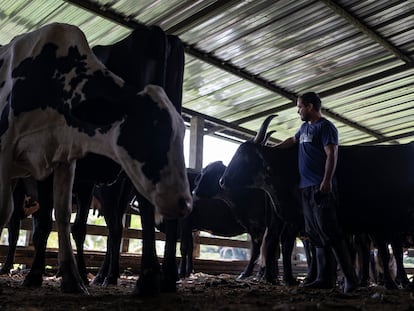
{"x": 125, "y": 241}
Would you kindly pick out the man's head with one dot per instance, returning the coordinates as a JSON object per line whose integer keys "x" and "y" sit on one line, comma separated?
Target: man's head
{"x": 309, "y": 106}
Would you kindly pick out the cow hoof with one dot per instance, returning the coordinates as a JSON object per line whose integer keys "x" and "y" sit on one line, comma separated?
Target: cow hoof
{"x": 147, "y": 286}
{"x": 409, "y": 287}
{"x": 350, "y": 287}
{"x": 390, "y": 285}
{"x": 71, "y": 280}
{"x": 291, "y": 282}
{"x": 110, "y": 281}
{"x": 33, "y": 280}
{"x": 74, "y": 288}
{"x": 98, "y": 280}
{"x": 273, "y": 281}
{"x": 261, "y": 273}
{"x": 243, "y": 276}
{"x": 168, "y": 287}
{"x": 85, "y": 280}
{"x": 403, "y": 283}
{"x": 4, "y": 271}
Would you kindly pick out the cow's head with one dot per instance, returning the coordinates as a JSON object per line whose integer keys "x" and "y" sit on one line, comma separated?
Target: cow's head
{"x": 274, "y": 170}
{"x": 248, "y": 167}
{"x": 150, "y": 150}
{"x": 207, "y": 182}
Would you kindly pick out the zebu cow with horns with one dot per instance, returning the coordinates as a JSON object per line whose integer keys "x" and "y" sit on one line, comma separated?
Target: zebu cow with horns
{"x": 375, "y": 183}
{"x": 59, "y": 102}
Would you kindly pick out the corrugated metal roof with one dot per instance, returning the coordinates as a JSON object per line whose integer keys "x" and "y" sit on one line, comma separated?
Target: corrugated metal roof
{"x": 247, "y": 59}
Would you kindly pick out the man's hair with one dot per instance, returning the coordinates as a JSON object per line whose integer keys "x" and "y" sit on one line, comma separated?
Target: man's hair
{"x": 311, "y": 98}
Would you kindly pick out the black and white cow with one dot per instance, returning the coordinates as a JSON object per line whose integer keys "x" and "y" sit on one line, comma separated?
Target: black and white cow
{"x": 147, "y": 55}
{"x": 58, "y": 103}
{"x": 375, "y": 183}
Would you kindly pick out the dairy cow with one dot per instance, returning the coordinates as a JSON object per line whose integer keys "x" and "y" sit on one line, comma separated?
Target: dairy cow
{"x": 147, "y": 55}
{"x": 59, "y": 102}
{"x": 375, "y": 183}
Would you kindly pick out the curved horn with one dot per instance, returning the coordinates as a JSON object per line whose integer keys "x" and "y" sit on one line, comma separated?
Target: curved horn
{"x": 268, "y": 134}
{"x": 261, "y": 134}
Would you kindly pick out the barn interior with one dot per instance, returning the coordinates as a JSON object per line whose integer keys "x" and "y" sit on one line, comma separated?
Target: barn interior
{"x": 245, "y": 60}
{"x": 248, "y": 59}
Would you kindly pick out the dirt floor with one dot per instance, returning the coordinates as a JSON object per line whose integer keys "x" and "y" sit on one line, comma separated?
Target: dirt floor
{"x": 201, "y": 292}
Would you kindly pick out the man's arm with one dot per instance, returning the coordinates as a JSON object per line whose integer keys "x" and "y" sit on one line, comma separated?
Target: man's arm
{"x": 330, "y": 166}
{"x": 290, "y": 142}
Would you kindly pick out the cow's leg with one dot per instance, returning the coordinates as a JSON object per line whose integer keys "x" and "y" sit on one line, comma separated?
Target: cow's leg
{"x": 186, "y": 240}
{"x": 103, "y": 269}
{"x": 113, "y": 199}
{"x": 99, "y": 278}
{"x": 190, "y": 253}
{"x": 384, "y": 254}
{"x": 62, "y": 196}
{"x": 261, "y": 261}
{"x": 122, "y": 196}
{"x": 114, "y": 243}
{"x": 42, "y": 226}
{"x": 83, "y": 195}
{"x": 14, "y": 226}
{"x": 272, "y": 244}
{"x": 148, "y": 283}
{"x": 363, "y": 248}
{"x": 385, "y": 257}
{"x": 169, "y": 265}
{"x": 256, "y": 243}
{"x": 288, "y": 243}
{"x": 397, "y": 250}
{"x": 6, "y": 201}
{"x": 341, "y": 252}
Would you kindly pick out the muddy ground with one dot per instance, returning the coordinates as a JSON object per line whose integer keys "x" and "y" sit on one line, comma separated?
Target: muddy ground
{"x": 202, "y": 292}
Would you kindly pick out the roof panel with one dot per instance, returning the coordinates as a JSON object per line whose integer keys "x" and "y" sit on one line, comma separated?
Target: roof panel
{"x": 265, "y": 53}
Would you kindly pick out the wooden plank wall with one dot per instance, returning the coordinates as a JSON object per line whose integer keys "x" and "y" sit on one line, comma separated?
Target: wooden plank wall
{"x": 131, "y": 261}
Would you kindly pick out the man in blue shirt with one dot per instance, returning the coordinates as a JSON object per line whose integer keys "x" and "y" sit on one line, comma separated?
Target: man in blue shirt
{"x": 318, "y": 155}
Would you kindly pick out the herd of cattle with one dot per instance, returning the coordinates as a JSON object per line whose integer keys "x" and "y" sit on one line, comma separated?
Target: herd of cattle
{"x": 105, "y": 123}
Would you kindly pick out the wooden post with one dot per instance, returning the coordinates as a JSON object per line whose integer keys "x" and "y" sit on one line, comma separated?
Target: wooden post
{"x": 196, "y": 162}
{"x": 127, "y": 225}
{"x": 196, "y": 143}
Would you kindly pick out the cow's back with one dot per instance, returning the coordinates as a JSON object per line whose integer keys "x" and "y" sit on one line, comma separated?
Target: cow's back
{"x": 376, "y": 187}
{"x": 147, "y": 56}
{"x": 48, "y": 68}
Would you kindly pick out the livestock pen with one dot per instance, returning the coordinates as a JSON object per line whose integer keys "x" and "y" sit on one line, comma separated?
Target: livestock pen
{"x": 216, "y": 286}
{"x": 226, "y": 255}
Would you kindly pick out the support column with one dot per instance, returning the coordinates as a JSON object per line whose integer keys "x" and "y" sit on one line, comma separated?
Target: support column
{"x": 196, "y": 162}
{"x": 196, "y": 143}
